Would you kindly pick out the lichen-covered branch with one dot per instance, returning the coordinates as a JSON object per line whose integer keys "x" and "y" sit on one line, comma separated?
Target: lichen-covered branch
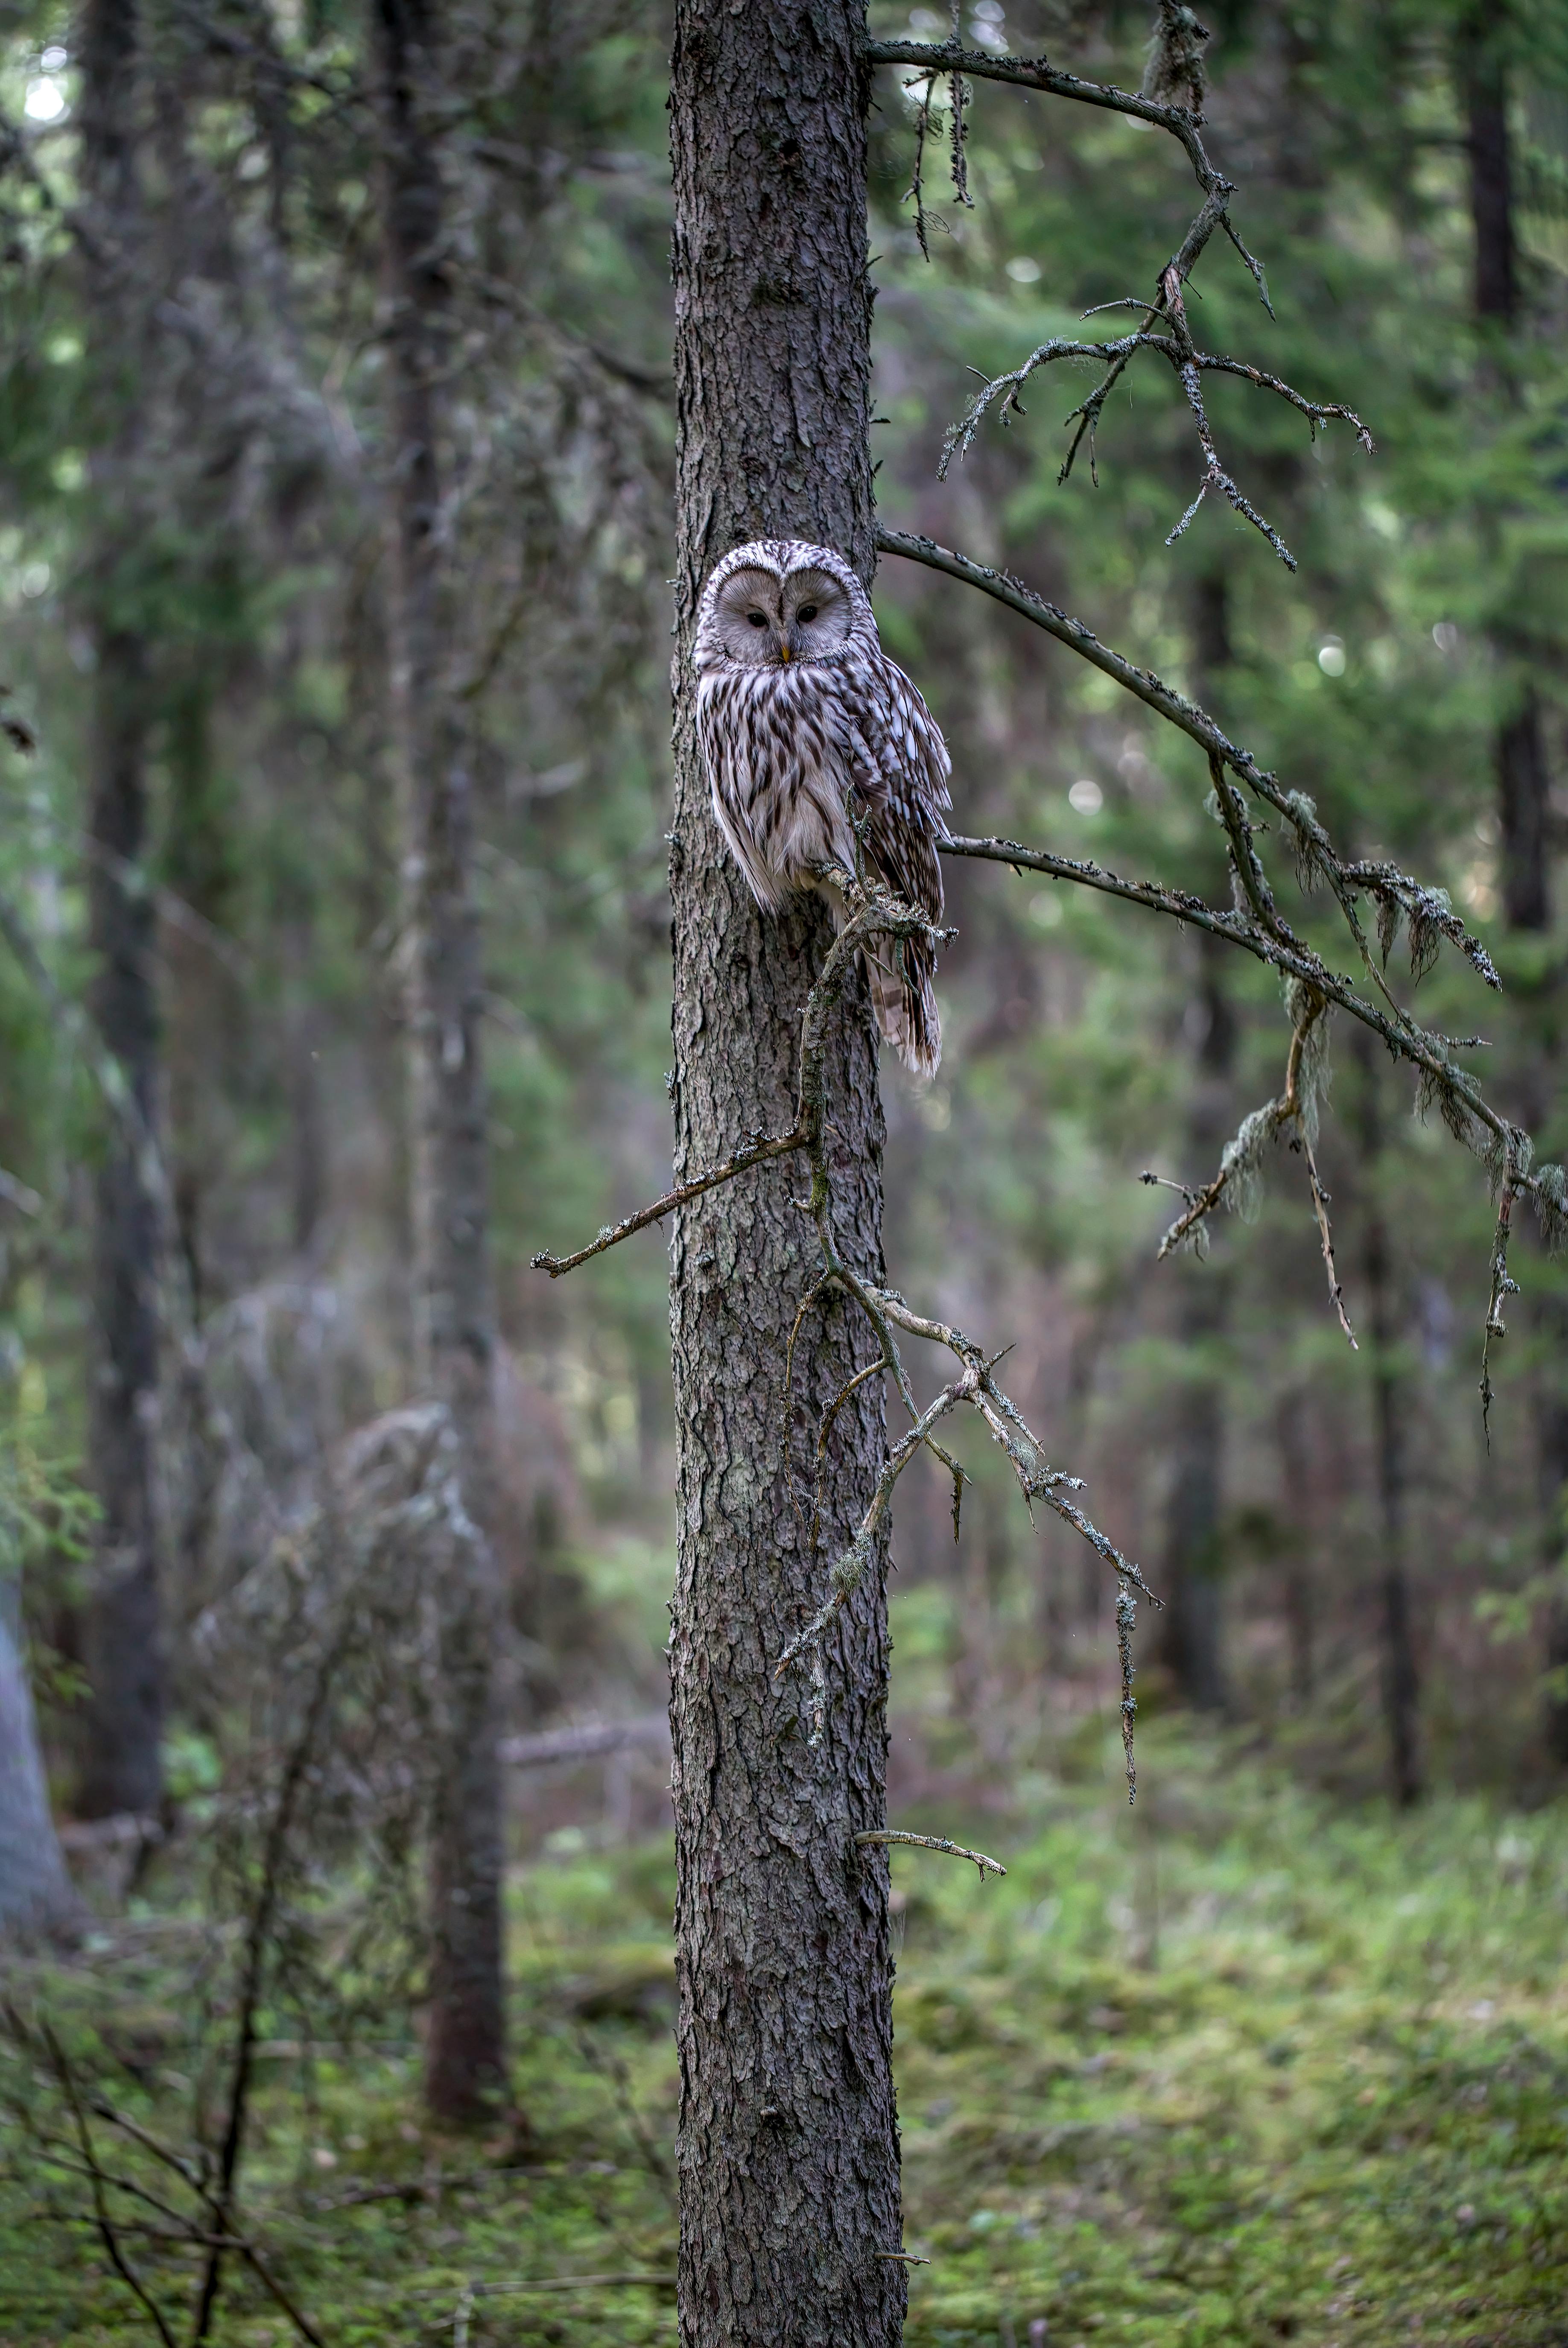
{"x": 1190, "y": 365}
{"x": 1255, "y": 924}
{"x": 1514, "y": 1169}
{"x": 979, "y": 1858}
{"x": 1176, "y": 66}
{"x": 1235, "y": 1184}
{"x": 1399, "y": 899}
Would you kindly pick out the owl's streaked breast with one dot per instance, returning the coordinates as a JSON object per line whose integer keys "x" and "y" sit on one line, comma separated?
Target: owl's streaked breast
{"x": 770, "y": 740}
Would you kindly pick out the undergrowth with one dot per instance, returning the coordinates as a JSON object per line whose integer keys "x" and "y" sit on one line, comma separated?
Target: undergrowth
{"x": 1245, "y": 2068}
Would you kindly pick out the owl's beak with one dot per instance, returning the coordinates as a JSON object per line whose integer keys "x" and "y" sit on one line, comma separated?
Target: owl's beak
{"x": 784, "y": 650}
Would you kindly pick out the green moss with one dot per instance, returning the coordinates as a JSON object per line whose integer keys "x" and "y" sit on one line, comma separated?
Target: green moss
{"x": 1250, "y": 2068}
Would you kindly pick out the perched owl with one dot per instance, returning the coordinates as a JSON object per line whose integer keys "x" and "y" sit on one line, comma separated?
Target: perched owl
{"x": 798, "y": 704}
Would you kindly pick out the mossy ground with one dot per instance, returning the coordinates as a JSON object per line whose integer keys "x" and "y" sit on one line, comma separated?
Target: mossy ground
{"x": 1247, "y": 2067}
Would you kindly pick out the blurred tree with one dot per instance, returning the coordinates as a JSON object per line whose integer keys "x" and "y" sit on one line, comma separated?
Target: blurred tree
{"x": 1487, "y": 42}
{"x": 35, "y": 1894}
{"x": 123, "y": 1767}
{"x": 1390, "y": 1440}
{"x": 454, "y": 1310}
{"x": 1192, "y": 1560}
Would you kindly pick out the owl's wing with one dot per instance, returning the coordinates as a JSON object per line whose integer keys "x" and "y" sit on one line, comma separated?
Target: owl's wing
{"x": 897, "y": 761}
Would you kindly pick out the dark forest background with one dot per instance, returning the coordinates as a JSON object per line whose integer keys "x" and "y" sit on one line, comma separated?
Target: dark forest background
{"x": 221, "y": 488}
{"x": 1367, "y": 1602}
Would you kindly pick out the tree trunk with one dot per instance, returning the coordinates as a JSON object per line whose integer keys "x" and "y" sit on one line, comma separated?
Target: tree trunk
{"x": 1523, "y": 805}
{"x": 787, "y": 2146}
{"x": 1192, "y": 1626}
{"x": 124, "y": 1719}
{"x": 1484, "y": 89}
{"x": 1191, "y": 1640}
{"x": 454, "y": 1313}
{"x": 35, "y": 1894}
{"x": 1298, "y": 1545}
{"x": 1401, "y": 1684}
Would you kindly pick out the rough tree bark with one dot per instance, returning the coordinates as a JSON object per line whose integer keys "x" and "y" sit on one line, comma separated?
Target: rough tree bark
{"x": 454, "y": 1312}
{"x": 788, "y": 2144}
{"x": 1191, "y": 1640}
{"x": 124, "y": 1717}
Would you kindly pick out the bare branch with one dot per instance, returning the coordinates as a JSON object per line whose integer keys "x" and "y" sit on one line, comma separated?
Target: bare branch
{"x": 754, "y": 1151}
{"x": 931, "y": 1842}
{"x": 221, "y": 2195}
{"x": 1189, "y": 364}
{"x": 873, "y": 911}
{"x": 1320, "y": 1203}
{"x": 1034, "y": 73}
{"x": 1181, "y": 123}
{"x": 105, "y": 2224}
{"x": 1514, "y": 1169}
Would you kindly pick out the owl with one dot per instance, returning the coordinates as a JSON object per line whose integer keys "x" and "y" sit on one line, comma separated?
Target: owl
{"x": 799, "y": 708}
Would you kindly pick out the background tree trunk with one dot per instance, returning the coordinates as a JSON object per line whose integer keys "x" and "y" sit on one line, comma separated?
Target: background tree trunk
{"x": 788, "y": 2145}
{"x": 1192, "y": 1627}
{"x": 1401, "y": 1682}
{"x": 1192, "y": 1635}
{"x": 1483, "y": 94}
{"x": 124, "y": 1718}
{"x": 35, "y": 1894}
{"x": 454, "y": 1310}
{"x": 1524, "y": 808}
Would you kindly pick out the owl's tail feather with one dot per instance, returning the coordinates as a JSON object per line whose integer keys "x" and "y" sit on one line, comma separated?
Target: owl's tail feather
{"x": 905, "y": 1001}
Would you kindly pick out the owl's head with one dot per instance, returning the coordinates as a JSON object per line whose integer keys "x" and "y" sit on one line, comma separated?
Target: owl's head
{"x": 779, "y": 602}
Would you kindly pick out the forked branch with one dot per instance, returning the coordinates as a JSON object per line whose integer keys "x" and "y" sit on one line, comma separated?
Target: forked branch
{"x": 1190, "y": 364}
{"x": 1166, "y": 308}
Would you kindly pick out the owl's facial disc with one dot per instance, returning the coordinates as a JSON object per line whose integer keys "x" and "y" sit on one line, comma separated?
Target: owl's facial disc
{"x": 816, "y": 615}
{"x": 751, "y": 618}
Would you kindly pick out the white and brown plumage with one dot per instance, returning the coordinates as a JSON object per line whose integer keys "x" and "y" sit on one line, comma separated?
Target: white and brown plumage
{"x": 798, "y": 707}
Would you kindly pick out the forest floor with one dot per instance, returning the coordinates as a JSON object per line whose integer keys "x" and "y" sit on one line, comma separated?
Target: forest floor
{"x": 1249, "y": 2066}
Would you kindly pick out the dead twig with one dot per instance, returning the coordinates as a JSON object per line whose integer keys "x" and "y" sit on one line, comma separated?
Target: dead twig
{"x": 987, "y": 1865}
{"x": 219, "y": 2196}
{"x": 949, "y": 61}
{"x": 105, "y": 2224}
{"x": 756, "y": 1150}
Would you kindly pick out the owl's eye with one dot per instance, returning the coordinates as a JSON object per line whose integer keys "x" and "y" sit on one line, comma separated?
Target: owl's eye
{"x": 807, "y": 611}
{"x": 758, "y": 619}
